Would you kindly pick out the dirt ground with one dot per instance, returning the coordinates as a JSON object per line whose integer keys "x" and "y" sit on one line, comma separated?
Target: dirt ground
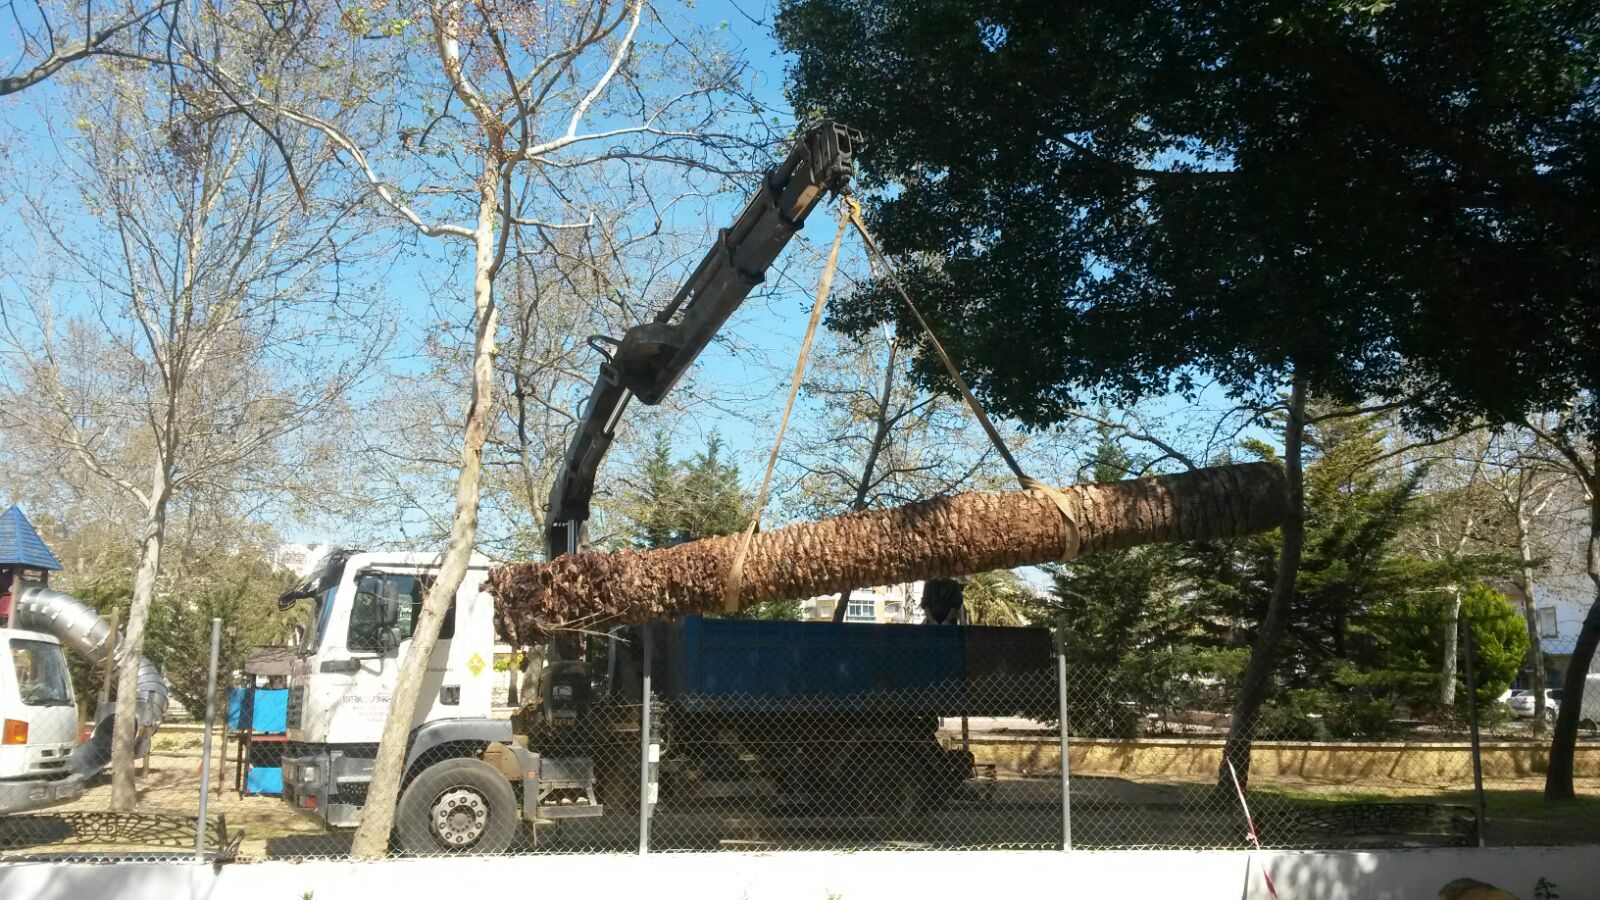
{"x": 171, "y": 786}
{"x": 1006, "y": 810}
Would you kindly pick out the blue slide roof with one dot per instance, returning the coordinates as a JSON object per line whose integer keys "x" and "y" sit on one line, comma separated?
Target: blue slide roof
{"x": 20, "y": 544}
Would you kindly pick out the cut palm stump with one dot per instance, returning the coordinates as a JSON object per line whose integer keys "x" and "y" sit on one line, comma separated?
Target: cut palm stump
{"x": 941, "y": 538}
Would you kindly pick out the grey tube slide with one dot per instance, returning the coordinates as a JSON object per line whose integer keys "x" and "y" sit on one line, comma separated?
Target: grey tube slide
{"x": 82, "y": 631}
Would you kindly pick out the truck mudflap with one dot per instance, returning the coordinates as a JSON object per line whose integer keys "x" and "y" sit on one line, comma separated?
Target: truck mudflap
{"x": 37, "y": 793}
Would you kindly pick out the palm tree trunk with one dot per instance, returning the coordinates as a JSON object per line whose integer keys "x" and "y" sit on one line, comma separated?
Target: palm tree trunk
{"x": 941, "y": 538}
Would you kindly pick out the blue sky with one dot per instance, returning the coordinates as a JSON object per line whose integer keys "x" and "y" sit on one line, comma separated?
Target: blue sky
{"x": 741, "y": 391}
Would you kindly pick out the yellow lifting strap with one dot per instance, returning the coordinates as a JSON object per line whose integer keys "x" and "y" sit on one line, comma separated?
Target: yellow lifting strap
{"x": 1065, "y": 504}
{"x": 850, "y": 214}
{"x": 730, "y": 596}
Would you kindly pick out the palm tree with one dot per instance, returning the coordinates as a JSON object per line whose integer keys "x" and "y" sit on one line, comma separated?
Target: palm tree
{"x": 995, "y": 598}
{"x": 947, "y": 537}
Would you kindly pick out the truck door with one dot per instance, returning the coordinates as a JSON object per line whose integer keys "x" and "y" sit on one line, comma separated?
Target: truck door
{"x": 360, "y": 663}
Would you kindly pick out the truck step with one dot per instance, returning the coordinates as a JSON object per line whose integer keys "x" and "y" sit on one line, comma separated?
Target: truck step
{"x": 557, "y": 811}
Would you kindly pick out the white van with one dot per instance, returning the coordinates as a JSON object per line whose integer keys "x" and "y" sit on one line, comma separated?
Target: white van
{"x": 38, "y": 722}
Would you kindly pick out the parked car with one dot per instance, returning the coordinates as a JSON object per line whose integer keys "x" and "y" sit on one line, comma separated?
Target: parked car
{"x": 1522, "y": 703}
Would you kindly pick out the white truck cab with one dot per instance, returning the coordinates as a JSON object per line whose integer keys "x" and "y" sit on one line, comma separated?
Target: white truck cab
{"x": 343, "y": 677}
{"x": 38, "y": 722}
{"x": 469, "y": 780}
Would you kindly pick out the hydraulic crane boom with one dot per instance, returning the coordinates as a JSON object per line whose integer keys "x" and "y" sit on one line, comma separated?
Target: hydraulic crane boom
{"x": 651, "y": 357}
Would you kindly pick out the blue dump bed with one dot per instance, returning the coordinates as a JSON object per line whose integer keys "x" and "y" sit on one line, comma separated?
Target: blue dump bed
{"x": 741, "y": 664}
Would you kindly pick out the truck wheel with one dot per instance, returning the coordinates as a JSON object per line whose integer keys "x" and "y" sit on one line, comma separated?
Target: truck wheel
{"x": 457, "y": 806}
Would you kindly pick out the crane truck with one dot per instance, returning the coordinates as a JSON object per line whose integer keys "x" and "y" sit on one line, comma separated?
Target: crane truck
{"x": 472, "y": 779}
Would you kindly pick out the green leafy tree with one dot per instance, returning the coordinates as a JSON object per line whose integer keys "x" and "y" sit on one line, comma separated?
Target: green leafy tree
{"x": 1499, "y": 641}
{"x": 1138, "y": 618}
{"x": 244, "y": 596}
{"x": 1372, "y": 613}
{"x": 240, "y": 590}
{"x": 671, "y": 501}
{"x": 1112, "y": 606}
{"x": 711, "y": 501}
{"x": 1387, "y": 201}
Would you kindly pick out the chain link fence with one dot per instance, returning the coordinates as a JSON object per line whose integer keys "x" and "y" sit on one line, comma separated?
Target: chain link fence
{"x": 965, "y": 765}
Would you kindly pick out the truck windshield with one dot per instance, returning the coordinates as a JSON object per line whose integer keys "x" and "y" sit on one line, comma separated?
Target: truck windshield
{"x": 321, "y": 608}
{"x": 41, "y": 673}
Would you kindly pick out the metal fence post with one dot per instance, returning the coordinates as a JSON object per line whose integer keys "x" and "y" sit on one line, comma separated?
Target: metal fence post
{"x": 646, "y": 747}
{"x": 1066, "y": 776}
{"x": 1472, "y": 724}
{"x": 205, "y": 748}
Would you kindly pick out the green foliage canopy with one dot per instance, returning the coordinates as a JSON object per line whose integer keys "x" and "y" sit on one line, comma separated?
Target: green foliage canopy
{"x": 670, "y": 501}
{"x": 1377, "y": 196}
{"x": 1168, "y": 624}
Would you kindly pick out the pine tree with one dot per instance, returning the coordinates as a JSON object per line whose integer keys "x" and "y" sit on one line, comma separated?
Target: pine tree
{"x": 655, "y": 497}
{"x": 712, "y": 502}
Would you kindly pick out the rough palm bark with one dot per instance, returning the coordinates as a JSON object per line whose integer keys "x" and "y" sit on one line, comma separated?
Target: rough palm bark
{"x": 941, "y": 538}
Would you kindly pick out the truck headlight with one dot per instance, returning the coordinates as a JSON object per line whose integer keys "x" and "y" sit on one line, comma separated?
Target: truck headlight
{"x": 306, "y": 774}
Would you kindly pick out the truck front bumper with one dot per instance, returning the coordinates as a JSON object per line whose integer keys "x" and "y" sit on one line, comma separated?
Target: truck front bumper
{"x": 327, "y": 785}
{"x": 21, "y": 796}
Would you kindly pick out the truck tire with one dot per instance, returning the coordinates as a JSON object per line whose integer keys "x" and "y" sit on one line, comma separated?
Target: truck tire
{"x": 461, "y": 805}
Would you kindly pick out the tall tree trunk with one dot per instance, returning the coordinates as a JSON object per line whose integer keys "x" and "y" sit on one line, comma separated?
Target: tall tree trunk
{"x": 1535, "y": 657}
{"x": 1447, "y": 672}
{"x": 1263, "y": 656}
{"x": 1563, "y": 743}
{"x": 941, "y": 538}
{"x": 377, "y": 818}
{"x": 125, "y": 727}
{"x": 880, "y": 434}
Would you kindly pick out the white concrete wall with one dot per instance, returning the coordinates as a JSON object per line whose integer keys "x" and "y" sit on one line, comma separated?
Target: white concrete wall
{"x": 1114, "y": 875}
